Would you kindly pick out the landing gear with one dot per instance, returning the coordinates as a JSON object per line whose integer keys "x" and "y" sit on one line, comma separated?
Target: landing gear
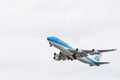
{"x": 93, "y": 50}
{"x": 54, "y": 54}
{"x": 54, "y": 58}
{"x": 74, "y": 56}
{"x": 50, "y": 44}
{"x": 69, "y": 58}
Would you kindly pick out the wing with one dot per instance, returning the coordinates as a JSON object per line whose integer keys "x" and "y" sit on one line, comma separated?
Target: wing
{"x": 107, "y": 50}
{"x": 93, "y": 52}
{"x": 98, "y": 51}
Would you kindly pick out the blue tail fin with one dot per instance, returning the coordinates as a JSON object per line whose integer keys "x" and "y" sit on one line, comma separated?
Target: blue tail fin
{"x": 97, "y": 57}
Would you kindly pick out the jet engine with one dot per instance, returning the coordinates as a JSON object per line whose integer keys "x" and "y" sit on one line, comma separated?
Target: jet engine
{"x": 94, "y": 52}
{"x": 56, "y": 56}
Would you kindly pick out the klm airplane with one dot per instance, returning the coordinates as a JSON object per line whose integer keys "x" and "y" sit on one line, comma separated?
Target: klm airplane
{"x": 91, "y": 57}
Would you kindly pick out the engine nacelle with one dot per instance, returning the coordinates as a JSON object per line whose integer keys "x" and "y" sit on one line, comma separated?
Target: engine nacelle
{"x": 78, "y": 50}
{"x": 56, "y": 56}
{"x": 94, "y": 52}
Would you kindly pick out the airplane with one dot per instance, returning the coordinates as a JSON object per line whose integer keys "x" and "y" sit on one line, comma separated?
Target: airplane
{"x": 91, "y": 57}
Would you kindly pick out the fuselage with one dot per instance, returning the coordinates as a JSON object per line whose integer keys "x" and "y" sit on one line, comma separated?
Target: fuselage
{"x": 65, "y": 49}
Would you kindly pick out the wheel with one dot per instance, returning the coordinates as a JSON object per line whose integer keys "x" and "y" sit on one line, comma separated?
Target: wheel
{"x": 74, "y": 56}
{"x": 54, "y": 54}
{"x": 93, "y": 50}
{"x": 54, "y": 58}
{"x": 50, "y": 44}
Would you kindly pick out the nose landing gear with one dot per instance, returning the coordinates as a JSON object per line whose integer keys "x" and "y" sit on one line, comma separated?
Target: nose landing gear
{"x": 50, "y": 44}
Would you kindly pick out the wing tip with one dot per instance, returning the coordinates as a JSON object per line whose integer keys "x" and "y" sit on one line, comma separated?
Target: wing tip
{"x": 115, "y": 49}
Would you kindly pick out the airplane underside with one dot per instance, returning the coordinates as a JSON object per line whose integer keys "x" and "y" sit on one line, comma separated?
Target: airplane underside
{"x": 91, "y": 57}
{"x": 68, "y": 55}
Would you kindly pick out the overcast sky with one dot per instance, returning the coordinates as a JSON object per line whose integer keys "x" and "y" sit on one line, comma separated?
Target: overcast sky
{"x": 25, "y": 53}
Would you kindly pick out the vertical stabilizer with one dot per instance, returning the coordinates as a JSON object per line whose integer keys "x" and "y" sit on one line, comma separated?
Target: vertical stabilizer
{"x": 97, "y": 57}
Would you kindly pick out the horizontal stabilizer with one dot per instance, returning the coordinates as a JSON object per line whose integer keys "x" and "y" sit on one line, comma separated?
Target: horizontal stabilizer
{"x": 102, "y": 63}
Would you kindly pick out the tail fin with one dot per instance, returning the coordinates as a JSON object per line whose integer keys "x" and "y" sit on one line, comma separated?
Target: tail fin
{"x": 97, "y": 57}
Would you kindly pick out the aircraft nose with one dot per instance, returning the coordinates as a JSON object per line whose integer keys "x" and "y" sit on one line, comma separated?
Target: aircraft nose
{"x": 49, "y": 38}
{"x": 52, "y": 38}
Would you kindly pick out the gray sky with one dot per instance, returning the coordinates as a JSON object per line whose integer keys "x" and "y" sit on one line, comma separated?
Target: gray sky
{"x": 86, "y": 24}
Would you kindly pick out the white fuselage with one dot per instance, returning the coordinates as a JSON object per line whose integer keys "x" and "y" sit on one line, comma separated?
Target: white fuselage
{"x": 62, "y": 49}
